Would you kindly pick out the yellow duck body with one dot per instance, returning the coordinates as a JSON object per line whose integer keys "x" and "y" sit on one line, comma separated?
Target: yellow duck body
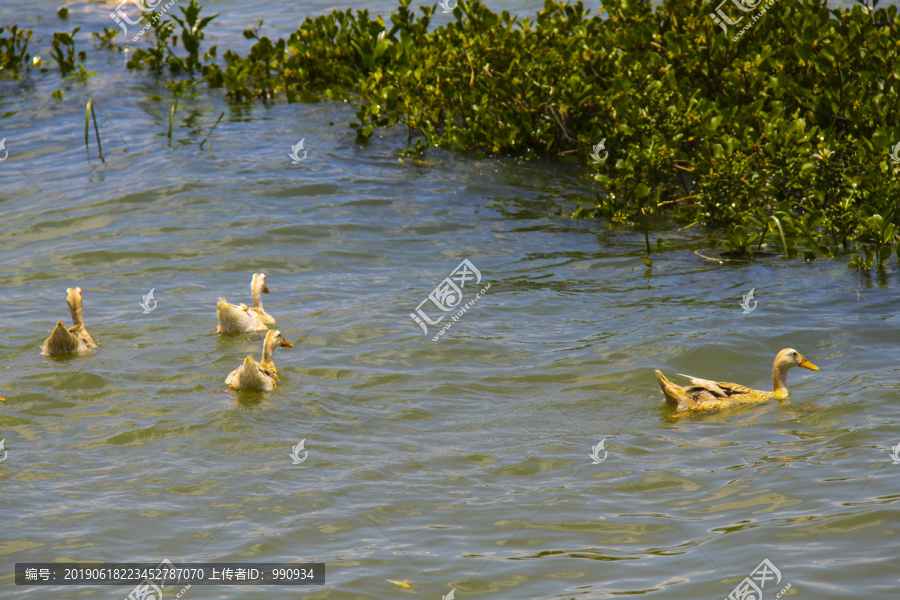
{"x": 237, "y": 318}
{"x": 709, "y": 395}
{"x": 262, "y": 375}
{"x": 75, "y": 339}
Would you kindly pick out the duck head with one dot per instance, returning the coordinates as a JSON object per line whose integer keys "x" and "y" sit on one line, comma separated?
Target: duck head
{"x": 792, "y": 358}
{"x": 258, "y": 287}
{"x": 785, "y": 360}
{"x": 274, "y": 339}
{"x": 258, "y": 284}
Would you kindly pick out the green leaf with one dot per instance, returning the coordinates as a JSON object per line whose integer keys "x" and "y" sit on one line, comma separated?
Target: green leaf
{"x": 803, "y": 51}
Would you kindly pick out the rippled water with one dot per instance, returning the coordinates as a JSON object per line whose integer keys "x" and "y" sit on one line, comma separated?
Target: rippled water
{"x": 462, "y": 463}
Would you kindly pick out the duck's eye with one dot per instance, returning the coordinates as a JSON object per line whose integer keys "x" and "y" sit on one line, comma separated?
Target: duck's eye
{"x": 795, "y": 354}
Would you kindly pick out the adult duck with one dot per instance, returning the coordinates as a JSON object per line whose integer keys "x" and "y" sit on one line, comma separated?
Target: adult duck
{"x": 237, "y": 318}
{"x": 75, "y": 339}
{"x": 706, "y": 395}
{"x": 262, "y": 375}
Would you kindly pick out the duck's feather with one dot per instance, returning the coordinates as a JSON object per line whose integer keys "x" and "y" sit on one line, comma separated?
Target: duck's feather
{"x": 251, "y": 376}
{"x": 240, "y": 318}
{"x": 721, "y": 389}
{"x": 64, "y": 341}
{"x": 705, "y": 394}
{"x": 711, "y": 386}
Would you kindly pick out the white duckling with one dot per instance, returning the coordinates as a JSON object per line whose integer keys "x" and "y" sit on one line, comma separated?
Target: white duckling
{"x": 75, "y": 339}
{"x": 262, "y": 375}
{"x": 239, "y": 318}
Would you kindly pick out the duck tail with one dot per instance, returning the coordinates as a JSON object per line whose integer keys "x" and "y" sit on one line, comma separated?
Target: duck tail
{"x": 250, "y": 376}
{"x": 61, "y": 341}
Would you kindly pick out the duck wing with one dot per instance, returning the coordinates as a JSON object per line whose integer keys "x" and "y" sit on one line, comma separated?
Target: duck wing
{"x": 82, "y": 332}
{"x": 733, "y": 389}
{"x": 721, "y": 389}
{"x": 713, "y": 387}
{"x": 237, "y": 318}
{"x": 263, "y": 316}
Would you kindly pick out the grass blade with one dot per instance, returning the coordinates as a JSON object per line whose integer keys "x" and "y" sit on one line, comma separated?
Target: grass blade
{"x": 87, "y": 127}
{"x": 96, "y": 130}
{"x": 213, "y": 129}
{"x": 783, "y": 241}
{"x": 172, "y": 120}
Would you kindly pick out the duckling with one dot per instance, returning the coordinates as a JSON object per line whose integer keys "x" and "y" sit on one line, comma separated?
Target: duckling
{"x": 262, "y": 375}
{"x": 75, "y": 339}
{"x": 239, "y": 318}
{"x": 705, "y": 394}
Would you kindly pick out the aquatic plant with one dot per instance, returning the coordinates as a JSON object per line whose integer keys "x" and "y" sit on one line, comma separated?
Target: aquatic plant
{"x": 739, "y": 242}
{"x": 105, "y": 40}
{"x": 14, "y": 57}
{"x": 192, "y": 35}
{"x": 213, "y": 128}
{"x": 161, "y": 56}
{"x": 782, "y": 135}
{"x": 178, "y": 89}
{"x": 88, "y": 113}
{"x": 64, "y": 54}
{"x": 879, "y": 234}
{"x": 771, "y": 134}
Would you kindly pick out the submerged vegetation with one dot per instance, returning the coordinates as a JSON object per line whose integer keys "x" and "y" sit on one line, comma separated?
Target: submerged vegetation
{"x": 781, "y": 130}
{"x": 14, "y": 55}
